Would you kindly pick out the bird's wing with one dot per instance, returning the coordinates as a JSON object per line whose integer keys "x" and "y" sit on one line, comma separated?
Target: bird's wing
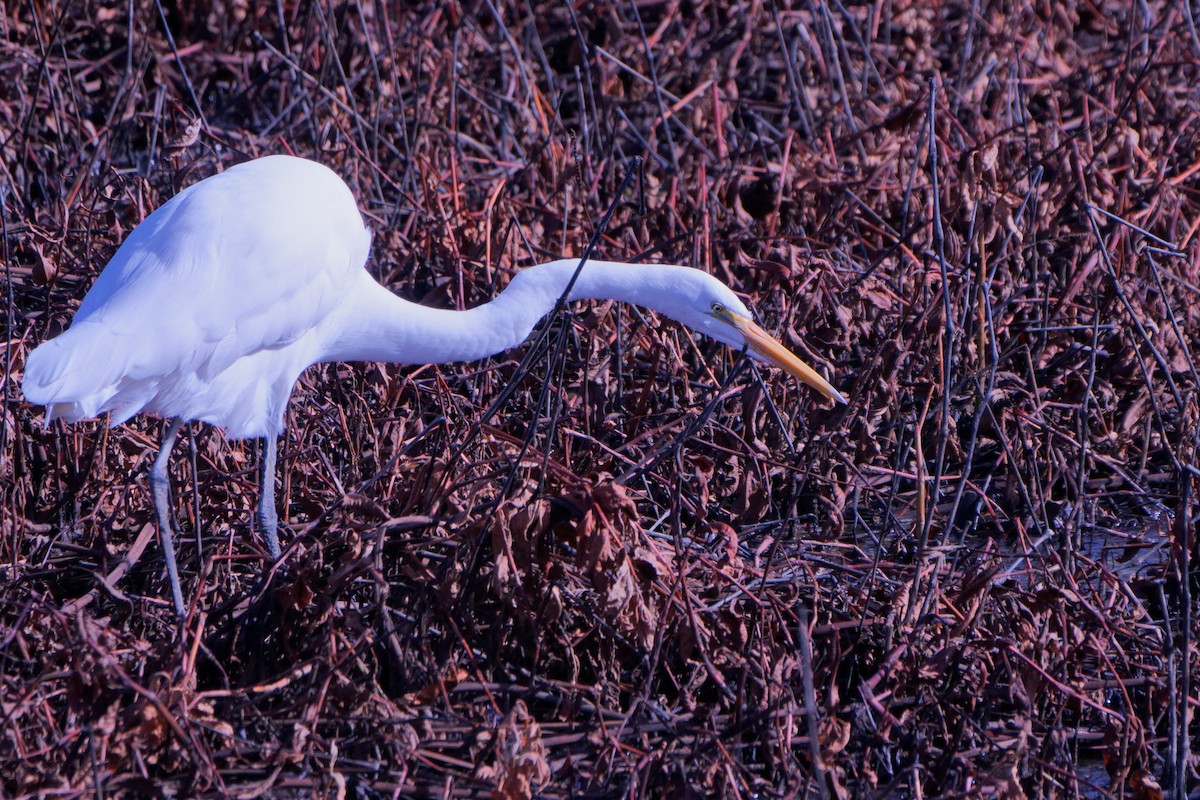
{"x": 229, "y": 267}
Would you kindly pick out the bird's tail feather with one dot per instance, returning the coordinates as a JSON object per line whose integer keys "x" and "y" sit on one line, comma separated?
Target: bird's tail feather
{"x": 76, "y": 375}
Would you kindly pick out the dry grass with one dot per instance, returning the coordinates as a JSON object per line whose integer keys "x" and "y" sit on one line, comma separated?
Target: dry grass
{"x": 977, "y": 578}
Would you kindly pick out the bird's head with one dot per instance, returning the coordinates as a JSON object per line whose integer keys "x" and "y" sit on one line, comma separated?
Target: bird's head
{"x": 711, "y": 308}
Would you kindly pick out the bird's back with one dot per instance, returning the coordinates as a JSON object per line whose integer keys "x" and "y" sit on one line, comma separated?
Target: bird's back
{"x": 211, "y": 307}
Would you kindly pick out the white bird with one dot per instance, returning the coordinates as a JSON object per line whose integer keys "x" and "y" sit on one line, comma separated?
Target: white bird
{"x": 217, "y": 302}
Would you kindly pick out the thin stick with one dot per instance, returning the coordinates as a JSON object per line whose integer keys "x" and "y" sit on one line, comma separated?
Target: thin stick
{"x": 535, "y": 349}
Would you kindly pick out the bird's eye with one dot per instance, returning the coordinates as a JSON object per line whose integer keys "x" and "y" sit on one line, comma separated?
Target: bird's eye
{"x": 717, "y": 308}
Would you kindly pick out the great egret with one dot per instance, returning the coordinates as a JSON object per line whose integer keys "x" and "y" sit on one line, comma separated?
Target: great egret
{"x": 217, "y": 302}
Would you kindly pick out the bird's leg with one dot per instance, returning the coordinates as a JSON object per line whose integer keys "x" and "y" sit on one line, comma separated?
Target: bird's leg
{"x": 268, "y": 518}
{"x": 196, "y": 499}
{"x": 160, "y": 490}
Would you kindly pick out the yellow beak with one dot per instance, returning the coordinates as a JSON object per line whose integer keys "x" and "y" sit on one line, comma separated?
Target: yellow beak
{"x": 766, "y": 346}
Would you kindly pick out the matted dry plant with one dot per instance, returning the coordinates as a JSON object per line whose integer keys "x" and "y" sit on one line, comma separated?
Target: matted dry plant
{"x": 648, "y": 570}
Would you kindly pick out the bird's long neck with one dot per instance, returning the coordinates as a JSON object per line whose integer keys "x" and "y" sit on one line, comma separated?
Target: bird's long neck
{"x": 383, "y": 327}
